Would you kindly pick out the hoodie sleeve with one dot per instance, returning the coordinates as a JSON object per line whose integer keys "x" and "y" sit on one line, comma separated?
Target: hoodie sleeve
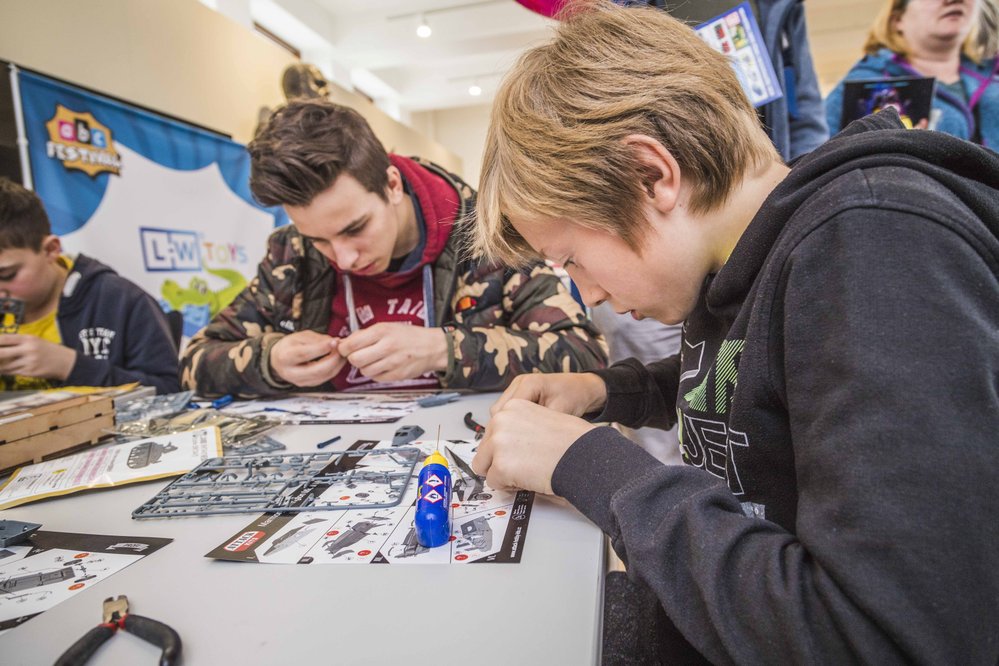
{"x": 231, "y": 355}
{"x": 150, "y": 356}
{"x": 890, "y": 389}
{"x": 640, "y": 396}
{"x": 521, "y": 322}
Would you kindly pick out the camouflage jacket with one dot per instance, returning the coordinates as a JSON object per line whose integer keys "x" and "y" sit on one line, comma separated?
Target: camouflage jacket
{"x": 522, "y": 321}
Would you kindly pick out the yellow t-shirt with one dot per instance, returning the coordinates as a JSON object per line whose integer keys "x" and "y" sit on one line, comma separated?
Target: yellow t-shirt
{"x": 45, "y": 328}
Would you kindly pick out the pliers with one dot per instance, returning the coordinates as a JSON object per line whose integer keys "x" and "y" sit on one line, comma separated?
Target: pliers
{"x": 116, "y": 616}
{"x": 475, "y": 426}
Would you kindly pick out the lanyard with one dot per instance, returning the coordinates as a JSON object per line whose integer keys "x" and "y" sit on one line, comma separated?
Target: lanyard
{"x": 428, "y": 299}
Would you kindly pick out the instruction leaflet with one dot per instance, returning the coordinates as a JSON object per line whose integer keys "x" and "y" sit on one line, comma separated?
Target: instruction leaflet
{"x": 330, "y": 408}
{"x": 51, "y": 567}
{"x": 487, "y": 526}
{"x": 110, "y": 466}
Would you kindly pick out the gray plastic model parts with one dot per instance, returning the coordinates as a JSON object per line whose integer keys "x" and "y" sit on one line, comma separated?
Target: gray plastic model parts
{"x": 360, "y": 478}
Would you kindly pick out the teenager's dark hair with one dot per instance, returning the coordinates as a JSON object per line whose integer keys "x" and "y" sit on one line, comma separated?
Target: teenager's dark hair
{"x": 23, "y": 221}
{"x": 306, "y": 145}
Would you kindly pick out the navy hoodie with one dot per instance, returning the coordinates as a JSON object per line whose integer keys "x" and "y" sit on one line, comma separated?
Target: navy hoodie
{"x": 119, "y": 332}
{"x": 838, "y": 398}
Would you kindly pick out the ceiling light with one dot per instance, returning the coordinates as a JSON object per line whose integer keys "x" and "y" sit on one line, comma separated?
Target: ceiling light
{"x": 474, "y": 90}
{"x": 423, "y": 30}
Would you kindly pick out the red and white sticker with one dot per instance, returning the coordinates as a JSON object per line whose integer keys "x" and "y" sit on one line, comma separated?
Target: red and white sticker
{"x": 244, "y": 541}
{"x": 433, "y": 497}
{"x": 434, "y": 480}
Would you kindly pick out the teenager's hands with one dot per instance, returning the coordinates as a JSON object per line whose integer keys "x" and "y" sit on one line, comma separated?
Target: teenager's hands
{"x": 30, "y": 356}
{"x": 523, "y": 444}
{"x": 306, "y": 358}
{"x": 533, "y": 424}
{"x": 389, "y": 351}
{"x": 571, "y": 393}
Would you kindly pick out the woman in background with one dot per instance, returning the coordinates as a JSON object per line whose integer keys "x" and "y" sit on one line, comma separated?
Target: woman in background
{"x": 951, "y": 40}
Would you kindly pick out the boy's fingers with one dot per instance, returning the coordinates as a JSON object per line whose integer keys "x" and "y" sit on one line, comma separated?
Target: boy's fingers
{"x": 358, "y": 340}
{"x": 317, "y": 372}
{"x": 304, "y": 351}
{"x": 483, "y": 459}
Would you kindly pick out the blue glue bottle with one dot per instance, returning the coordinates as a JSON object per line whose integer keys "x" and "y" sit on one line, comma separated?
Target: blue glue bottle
{"x": 433, "y": 502}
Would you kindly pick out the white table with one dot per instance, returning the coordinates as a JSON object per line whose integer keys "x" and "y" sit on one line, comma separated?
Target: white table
{"x": 545, "y": 610}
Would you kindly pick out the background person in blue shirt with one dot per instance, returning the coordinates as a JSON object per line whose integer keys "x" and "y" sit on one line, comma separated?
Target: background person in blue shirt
{"x": 938, "y": 38}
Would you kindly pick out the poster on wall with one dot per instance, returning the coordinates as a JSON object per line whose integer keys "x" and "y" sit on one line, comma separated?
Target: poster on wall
{"x": 165, "y": 204}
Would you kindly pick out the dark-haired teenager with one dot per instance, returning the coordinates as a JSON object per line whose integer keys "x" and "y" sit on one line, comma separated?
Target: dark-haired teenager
{"x": 82, "y": 323}
{"x": 369, "y": 288}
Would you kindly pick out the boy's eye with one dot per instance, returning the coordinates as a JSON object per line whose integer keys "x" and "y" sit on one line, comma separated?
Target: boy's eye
{"x": 354, "y": 231}
{"x": 7, "y": 276}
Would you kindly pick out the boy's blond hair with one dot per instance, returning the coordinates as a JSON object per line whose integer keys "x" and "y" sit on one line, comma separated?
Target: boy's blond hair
{"x": 883, "y": 33}
{"x": 556, "y": 144}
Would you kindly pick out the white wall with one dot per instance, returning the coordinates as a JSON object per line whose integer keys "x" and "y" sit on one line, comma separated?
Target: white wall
{"x": 461, "y": 130}
{"x": 174, "y": 56}
{"x": 178, "y": 57}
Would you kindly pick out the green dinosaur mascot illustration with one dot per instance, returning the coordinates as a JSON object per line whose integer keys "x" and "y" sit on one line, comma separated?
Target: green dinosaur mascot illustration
{"x": 198, "y": 294}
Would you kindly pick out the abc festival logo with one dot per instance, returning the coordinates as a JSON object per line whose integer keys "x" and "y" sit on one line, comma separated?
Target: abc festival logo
{"x": 79, "y": 141}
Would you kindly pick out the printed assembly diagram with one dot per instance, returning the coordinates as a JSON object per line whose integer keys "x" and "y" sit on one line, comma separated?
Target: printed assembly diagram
{"x": 52, "y": 566}
{"x": 487, "y": 526}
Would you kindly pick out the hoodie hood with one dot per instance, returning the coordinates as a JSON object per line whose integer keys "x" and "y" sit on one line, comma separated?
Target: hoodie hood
{"x": 80, "y": 282}
{"x": 439, "y": 203}
{"x": 967, "y": 170}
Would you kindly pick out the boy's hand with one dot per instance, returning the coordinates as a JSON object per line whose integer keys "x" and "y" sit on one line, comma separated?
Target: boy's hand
{"x": 29, "y": 356}
{"x": 524, "y": 443}
{"x": 568, "y": 392}
{"x": 389, "y": 351}
{"x": 306, "y": 358}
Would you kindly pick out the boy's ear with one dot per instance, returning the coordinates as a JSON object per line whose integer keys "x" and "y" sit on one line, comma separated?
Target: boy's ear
{"x": 52, "y": 247}
{"x": 660, "y": 171}
{"x": 394, "y": 189}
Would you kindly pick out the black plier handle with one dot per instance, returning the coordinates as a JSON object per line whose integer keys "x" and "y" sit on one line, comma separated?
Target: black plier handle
{"x": 147, "y": 629}
{"x": 475, "y": 426}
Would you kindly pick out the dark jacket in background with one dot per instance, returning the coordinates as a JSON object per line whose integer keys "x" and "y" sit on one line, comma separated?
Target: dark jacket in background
{"x": 796, "y": 122}
{"x": 119, "y": 332}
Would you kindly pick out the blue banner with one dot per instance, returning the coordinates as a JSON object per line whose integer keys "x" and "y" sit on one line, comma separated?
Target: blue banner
{"x": 164, "y": 203}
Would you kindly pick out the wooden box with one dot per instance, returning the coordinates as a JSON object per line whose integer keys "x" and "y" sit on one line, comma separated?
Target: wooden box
{"x": 39, "y": 432}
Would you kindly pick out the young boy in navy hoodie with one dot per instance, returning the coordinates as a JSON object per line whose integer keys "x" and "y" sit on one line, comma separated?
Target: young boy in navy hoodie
{"x": 837, "y": 390}
{"x": 81, "y": 323}
{"x": 371, "y": 287}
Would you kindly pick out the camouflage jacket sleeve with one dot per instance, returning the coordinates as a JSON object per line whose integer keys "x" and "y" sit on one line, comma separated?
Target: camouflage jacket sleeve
{"x": 231, "y": 354}
{"x": 508, "y": 323}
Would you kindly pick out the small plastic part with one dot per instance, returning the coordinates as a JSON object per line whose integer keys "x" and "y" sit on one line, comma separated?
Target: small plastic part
{"x": 332, "y": 440}
{"x": 219, "y": 403}
{"x": 11, "y": 314}
{"x": 13, "y": 532}
{"x": 438, "y": 399}
{"x": 406, "y": 434}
